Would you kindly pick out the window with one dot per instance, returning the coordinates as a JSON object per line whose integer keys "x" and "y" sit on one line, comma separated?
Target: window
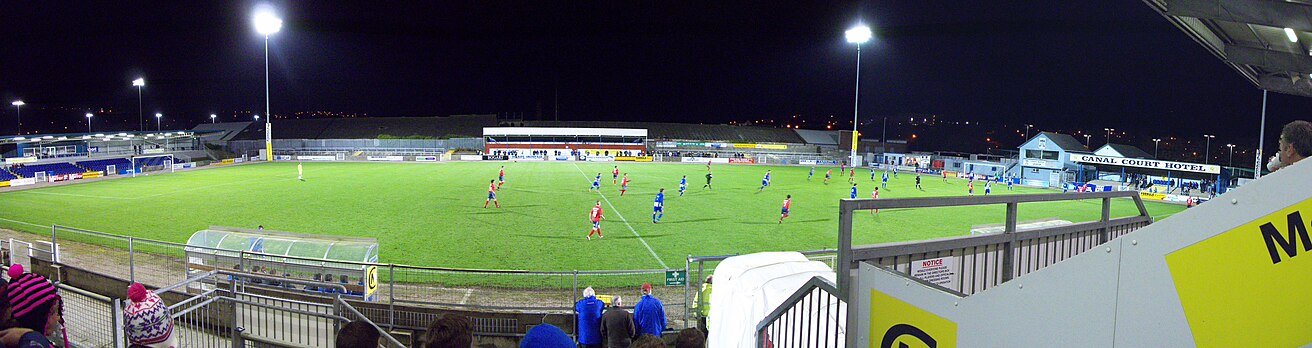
{"x": 1040, "y": 154}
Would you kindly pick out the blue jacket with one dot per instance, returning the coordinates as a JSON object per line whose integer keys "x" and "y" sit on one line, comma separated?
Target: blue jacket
{"x": 649, "y": 316}
{"x": 589, "y": 317}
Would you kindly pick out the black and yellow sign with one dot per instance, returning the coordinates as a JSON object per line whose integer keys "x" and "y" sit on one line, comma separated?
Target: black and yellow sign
{"x": 896, "y": 324}
{"x": 371, "y": 281}
{"x": 1248, "y": 287}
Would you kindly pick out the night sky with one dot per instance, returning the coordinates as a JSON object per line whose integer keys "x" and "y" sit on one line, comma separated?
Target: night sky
{"x": 1064, "y": 65}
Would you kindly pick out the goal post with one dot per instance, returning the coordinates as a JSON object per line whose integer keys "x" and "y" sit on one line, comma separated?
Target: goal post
{"x": 144, "y": 164}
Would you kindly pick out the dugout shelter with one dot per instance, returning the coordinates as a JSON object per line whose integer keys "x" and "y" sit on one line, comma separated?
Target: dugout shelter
{"x": 287, "y": 255}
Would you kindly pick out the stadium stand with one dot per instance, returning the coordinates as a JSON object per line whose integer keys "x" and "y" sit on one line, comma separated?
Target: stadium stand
{"x": 49, "y": 169}
{"x": 222, "y": 131}
{"x": 6, "y": 176}
{"x": 371, "y": 128}
{"x": 100, "y": 165}
{"x": 687, "y": 131}
{"x": 816, "y": 137}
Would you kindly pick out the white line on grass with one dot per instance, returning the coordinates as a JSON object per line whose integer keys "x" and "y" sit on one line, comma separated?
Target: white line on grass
{"x": 465, "y": 299}
{"x": 70, "y": 194}
{"x": 626, "y": 222}
{"x": 24, "y": 222}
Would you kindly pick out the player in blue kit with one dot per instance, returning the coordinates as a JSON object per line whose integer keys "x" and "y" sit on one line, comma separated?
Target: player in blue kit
{"x": 885, "y": 183}
{"x": 596, "y": 183}
{"x": 683, "y": 185}
{"x": 658, "y": 210}
{"x": 853, "y": 191}
{"x": 988, "y": 187}
{"x": 765, "y": 182}
{"x": 811, "y": 174}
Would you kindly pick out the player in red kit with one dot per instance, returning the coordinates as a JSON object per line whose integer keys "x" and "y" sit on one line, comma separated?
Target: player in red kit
{"x": 501, "y": 177}
{"x": 491, "y": 194}
{"x": 596, "y": 216}
{"x": 788, "y": 204}
{"x": 614, "y": 175}
{"x": 874, "y": 195}
{"x": 624, "y": 184}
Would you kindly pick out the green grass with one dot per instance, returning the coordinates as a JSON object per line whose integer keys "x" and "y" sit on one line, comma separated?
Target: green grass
{"x": 433, "y": 215}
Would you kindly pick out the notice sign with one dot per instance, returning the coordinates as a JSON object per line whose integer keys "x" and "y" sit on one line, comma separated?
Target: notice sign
{"x": 942, "y": 271}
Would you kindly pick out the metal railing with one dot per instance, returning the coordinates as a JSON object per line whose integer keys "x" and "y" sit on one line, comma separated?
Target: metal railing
{"x": 810, "y": 317}
{"x": 157, "y": 263}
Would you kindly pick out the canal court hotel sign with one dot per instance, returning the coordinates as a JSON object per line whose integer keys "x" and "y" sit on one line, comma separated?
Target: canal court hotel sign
{"x": 1147, "y": 163}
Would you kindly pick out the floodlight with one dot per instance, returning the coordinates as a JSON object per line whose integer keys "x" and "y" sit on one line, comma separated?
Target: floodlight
{"x": 1292, "y": 36}
{"x": 139, "y": 82}
{"x": 266, "y": 23}
{"x": 858, "y": 35}
{"x": 18, "y": 103}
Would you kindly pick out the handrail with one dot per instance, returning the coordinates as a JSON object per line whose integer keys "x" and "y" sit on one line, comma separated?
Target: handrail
{"x": 366, "y": 319}
{"x": 815, "y": 282}
{"x": 723, "y": 257}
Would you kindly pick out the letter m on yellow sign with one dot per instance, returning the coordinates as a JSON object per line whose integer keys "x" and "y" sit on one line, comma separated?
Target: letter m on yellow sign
{"x": 1296, "y": 232}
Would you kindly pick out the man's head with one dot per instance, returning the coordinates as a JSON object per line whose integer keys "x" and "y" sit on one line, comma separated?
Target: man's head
{"x": 1295, "y": 142}
{"x": 690, "y": 338}
{"x": 647, "y": 341}
{"x": 617, "y": 302}
{"x": 357, "y": 334}
{"x": 449, "y": 331}
{"x": 646, "y": 289}
{"x": 588, "y": 292}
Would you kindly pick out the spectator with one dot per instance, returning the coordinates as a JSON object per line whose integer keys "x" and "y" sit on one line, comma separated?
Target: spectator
{"x": 649, "y": 314}
{"x": 37, "y": 310}
{"x": 617, "y": 325}
{"x": 148, "y": 320}
{"x": 702, "y": 303}
{"x": 648, "y": 341}
{"x": 546, "y": 336}
{"x": 589, "y": 319}
{"x": 449, "y": 331}
{"x": 1295, "y": 145}
{"x": 690, "y": 338}
{"x": 357, "y": 334}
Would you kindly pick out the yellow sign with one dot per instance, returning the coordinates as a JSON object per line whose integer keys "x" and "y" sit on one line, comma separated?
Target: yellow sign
{"x": 1248, "y": 287}
{"x": 744, "y": 146}
{"x": 226, "y": 162}
{"x": 894, "y": 324}
{"x": 855, "y": 141}
{"x": 772, "y": 146}
{"x": 89, "y": 175}
{"x": 4, "y": 184}
{"x": 1151, "y": 195}
{"x": 370, "y": 281}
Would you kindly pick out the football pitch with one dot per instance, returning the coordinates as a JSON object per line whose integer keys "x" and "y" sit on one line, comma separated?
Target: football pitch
{"x": 432, "y": 214}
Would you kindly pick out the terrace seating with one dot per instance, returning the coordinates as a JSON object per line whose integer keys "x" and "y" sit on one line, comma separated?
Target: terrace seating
{"x": 102, "y": 164}
{"x": 49, "y": 169}
{"x": 6, "y": 176}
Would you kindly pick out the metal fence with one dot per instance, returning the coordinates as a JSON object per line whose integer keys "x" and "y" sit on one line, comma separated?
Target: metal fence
{"x": 988, "y": 260}
{"x": 157, "y": 264}
{"x": 90, "y": 320}
{"x": 810, "y": 317}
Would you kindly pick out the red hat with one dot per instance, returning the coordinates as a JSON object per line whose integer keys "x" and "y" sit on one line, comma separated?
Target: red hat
{"x": 646, "y": 287}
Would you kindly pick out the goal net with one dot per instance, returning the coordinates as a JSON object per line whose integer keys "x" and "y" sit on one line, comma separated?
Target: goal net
{"x": 151, "y": 164}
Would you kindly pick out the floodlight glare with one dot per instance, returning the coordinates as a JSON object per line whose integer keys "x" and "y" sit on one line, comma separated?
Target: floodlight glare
{"x": 158, "y": 115}
{"x": 266, "y": 23}
{"x": 88, "y": 115}
{"x": 18, "y": 103}
{"x": 139, "y": 82}
{"x": 858, "y": 35}
{"x": 1290, "y": 33}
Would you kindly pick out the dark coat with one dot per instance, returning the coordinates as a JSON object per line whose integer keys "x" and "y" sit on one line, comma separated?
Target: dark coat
{"x": 617, "y": 327}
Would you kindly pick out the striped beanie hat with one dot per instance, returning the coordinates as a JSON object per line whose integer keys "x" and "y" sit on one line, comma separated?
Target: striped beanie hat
{"x": 149, "y": 322}
{"x": 31, "y": 298}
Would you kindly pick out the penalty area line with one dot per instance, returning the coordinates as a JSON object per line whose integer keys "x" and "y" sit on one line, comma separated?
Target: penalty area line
{"x": 626, "y": 222}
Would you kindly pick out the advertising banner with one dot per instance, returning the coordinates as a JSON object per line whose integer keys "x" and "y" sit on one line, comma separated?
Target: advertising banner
{"x": 471, "y": 158}
{"x": 600, "y": 158}
{"x": 704, "y": 160}
{"x": 282, "y": 158}
{"x": 89, "y": 175}
{"x": 666, "y": 144}
{"x": 495, "y": 158}
{"x": 20, "y": 160}
{"x": 316, "y": 158}
{"x": 818, "y": 162}
{"x": 742, "y": 161}
{"x": 425, "y": 158}
{"x": 152, "y": 151}
{"x": 530, "y": 158}
{"x": 386, "y": 158}
{"x": 22, "y": 182}
{"x": 564, "y": 158}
